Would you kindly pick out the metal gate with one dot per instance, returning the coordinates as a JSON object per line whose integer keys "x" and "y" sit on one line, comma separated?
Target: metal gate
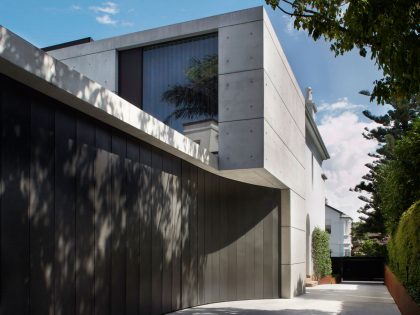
{"x": 359, "y": 268}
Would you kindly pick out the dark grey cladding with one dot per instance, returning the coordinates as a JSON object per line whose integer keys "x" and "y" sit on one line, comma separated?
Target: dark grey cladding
{"x": 94, "y": 221}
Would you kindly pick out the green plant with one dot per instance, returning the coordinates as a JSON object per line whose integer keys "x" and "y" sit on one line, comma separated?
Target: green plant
{"x": 404, "y": 251}
{"x": 372, "y": 248}
{"x": 387, "y": 30}
{"x": 398, "y": 179}
{"x": 321, "y": 253}
{"x": 199, "y": 96}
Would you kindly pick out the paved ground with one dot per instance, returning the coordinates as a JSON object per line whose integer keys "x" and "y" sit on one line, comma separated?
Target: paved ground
{"x": 348, "y": 299}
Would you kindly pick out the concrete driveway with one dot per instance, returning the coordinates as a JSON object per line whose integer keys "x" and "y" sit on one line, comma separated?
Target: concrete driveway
{"x": 348, "y": 299}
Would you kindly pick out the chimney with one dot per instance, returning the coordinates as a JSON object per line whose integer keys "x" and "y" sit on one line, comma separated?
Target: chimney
{"x": 310, "y": 105}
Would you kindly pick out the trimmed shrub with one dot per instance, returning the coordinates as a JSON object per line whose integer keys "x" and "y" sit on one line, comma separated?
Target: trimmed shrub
{"x": 404, "y": 251}
{"x": 321, "y": 253}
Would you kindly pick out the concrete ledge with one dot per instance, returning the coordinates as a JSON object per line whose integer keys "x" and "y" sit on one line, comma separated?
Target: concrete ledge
{"x": 28, "y": 64}
{"x": 165, "y": 33}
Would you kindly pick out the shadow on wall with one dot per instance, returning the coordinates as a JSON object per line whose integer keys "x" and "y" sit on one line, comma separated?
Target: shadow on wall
{"x": 58, "y": 80}
{"x": 94, "y": 221}
{"x": 300, "y": 287}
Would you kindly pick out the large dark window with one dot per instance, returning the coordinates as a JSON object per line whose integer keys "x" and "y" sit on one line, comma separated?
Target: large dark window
{"x": 178, "y": 81}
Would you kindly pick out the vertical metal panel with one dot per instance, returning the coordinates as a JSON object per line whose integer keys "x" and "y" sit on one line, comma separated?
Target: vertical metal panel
{"x": 145, "y": 229}
{"x": 167, "y": 232}
{"x": 241, "y": 245}
{"x": 248, "y": 215}
{"x": 177, "y": 236}
{"x": 41, "y": 208}
{"x": 15, "y": 199}
{"x": 207, "y": 266}
{"x": 268, "y": 256}
{"x": 132, "y": 206}
{"x": 157, "y": 239}
{"x": 130, "y": 75}
{"x": 200, "y": 237}
{"x": 65, "y": 212}
{"x": 193, "y": 290}
{"x": 232, "y": 215}
{"x": 259, "y": 258}
{"x": 135, "y": 230}
{"x": 185, "y": 232}
{"x": 215, "y": 231}
{"x": 224, "y": 247}
{"x": 119, "y": 223}
{"x": 84, "y": 217}
{"x": 103, "y": 223}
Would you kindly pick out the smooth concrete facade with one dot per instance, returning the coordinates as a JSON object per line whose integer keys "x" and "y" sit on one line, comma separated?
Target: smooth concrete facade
{"x": 259, "y": 99}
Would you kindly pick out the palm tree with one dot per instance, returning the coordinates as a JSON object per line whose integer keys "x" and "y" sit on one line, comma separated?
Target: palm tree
{"x": 199, "y": 96}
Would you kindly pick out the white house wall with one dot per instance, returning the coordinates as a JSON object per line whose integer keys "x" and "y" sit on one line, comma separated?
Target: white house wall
{"x": 315, "y": 198}
{"x": 338, "y": 241}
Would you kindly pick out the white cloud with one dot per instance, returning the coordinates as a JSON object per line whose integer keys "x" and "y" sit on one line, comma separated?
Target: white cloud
{"x": 107, "y": 13}
{"x": 106, "y": 19}
{"x": 127, "y": 23}
{"x": 340, "y": 105}
{"x": 75, "y": 7}
{"x": 107, "y": 8}
{"x": 342, "y": 134}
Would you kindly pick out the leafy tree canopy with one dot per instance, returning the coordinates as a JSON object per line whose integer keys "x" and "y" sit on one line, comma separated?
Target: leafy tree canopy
{"x": 399, "y": 178}
{"x": 391, "y": 128}
{"x": 388, "y": 30}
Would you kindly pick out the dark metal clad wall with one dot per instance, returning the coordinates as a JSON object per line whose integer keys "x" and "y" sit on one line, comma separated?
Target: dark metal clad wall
{"x": 96, "y": 222}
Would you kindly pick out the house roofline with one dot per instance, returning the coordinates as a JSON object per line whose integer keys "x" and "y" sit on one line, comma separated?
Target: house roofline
{"x": 315, "y": 135}
{"x": 342, "y": 214}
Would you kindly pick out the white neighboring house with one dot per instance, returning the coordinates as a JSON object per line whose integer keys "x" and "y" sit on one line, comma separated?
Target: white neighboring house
{"x": 338, "y": 225}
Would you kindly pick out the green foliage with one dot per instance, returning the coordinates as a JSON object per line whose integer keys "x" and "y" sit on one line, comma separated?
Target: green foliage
{"x": 199, "y": 96}
{"x": 398, "y": 179}
{"x": 404, "y": 251}
{"x": 388, "y": 30}
{"x": 391, "y": 128}
{"x": 371, "y": 248}
{"x": 321, "y": 253}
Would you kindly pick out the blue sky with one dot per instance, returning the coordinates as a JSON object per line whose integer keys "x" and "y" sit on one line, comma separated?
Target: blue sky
{"x": 335, "y": 81}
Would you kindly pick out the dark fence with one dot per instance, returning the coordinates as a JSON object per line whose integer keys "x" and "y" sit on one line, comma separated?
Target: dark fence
{"x": 359, "y": 268}
{"x": 93, "y": 221}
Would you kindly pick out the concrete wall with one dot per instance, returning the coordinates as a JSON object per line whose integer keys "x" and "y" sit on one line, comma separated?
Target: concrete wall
{"x": 100, "y": 67}
{"x": 260, "y": 103}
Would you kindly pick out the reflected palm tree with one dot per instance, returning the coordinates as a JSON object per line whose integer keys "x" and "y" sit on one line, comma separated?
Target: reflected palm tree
{"x": 199, "y": 96}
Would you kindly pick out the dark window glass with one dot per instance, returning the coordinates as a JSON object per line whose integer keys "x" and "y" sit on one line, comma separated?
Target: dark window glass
{"x": 328, "y": 228}
{"x": 180, "y": 80}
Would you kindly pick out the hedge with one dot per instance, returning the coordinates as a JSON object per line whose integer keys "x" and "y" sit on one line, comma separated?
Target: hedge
{"x": 321, "y": 253}
{"x": 404, "y": 251}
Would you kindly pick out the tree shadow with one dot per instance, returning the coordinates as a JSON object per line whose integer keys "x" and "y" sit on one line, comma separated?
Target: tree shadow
{"x": 94, "y": 221}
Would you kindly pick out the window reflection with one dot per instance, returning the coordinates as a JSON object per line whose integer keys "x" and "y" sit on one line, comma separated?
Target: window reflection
{"x": 180, "y": 81}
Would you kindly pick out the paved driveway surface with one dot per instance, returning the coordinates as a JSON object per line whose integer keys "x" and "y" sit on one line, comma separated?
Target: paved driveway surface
{"x": 348, "y": 299}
